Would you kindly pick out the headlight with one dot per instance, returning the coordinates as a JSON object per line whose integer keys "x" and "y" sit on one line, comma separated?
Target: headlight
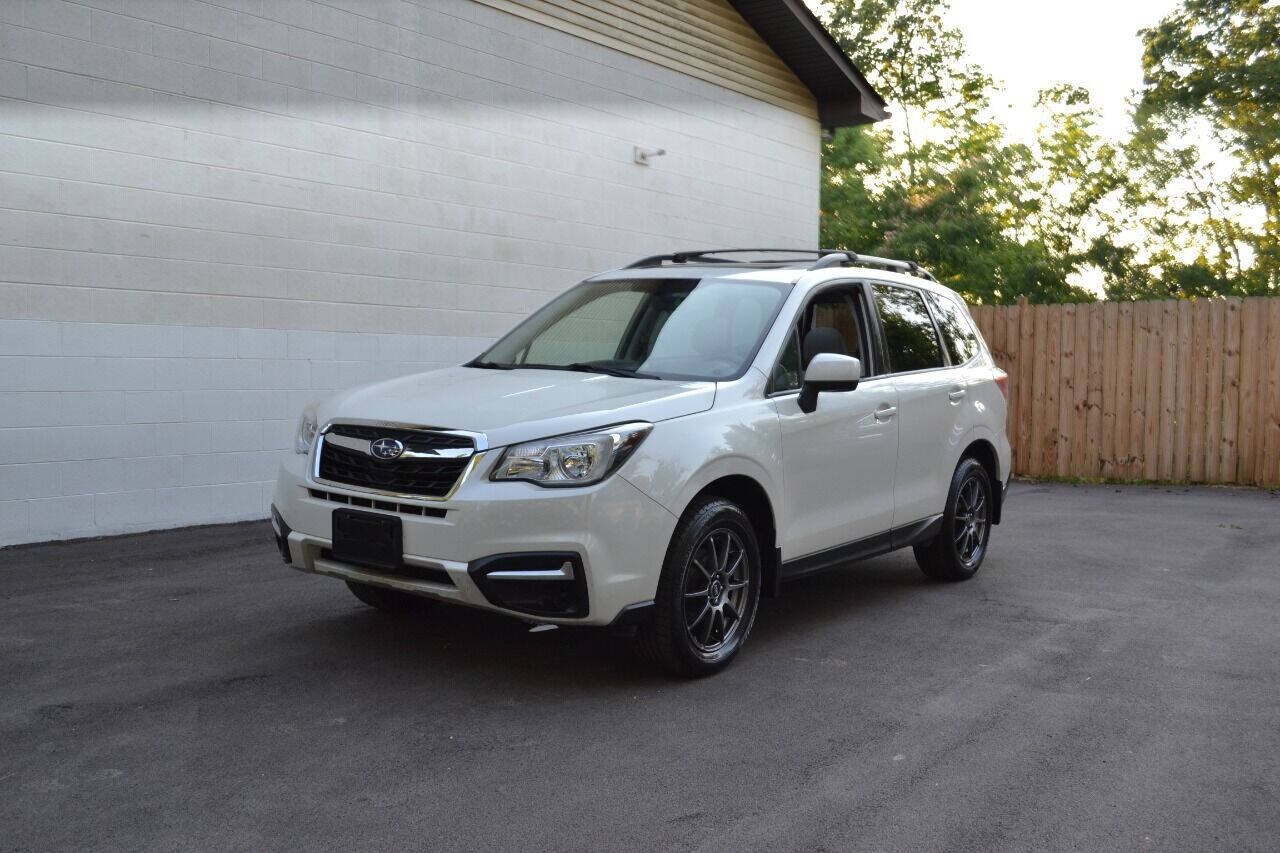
{"x": 307, "y": 429}
{"x": 571, "y": 460}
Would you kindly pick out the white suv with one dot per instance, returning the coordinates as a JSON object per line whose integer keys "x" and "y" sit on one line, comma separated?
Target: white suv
{"x": 661, "y": 445}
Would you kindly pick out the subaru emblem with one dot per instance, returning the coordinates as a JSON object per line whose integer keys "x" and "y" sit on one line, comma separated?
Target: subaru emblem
{"x": 386, "y": 448}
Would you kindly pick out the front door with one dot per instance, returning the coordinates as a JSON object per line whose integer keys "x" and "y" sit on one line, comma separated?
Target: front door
{"x": 837, "y": 461}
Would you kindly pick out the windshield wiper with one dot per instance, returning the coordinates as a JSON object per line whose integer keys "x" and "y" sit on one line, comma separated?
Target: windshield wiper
{"x": 584, "y": 366}
{"x": 591, "y": 367}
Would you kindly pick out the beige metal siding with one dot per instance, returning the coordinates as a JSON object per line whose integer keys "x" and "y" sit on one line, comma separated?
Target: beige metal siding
{"x": 706, "y": 39}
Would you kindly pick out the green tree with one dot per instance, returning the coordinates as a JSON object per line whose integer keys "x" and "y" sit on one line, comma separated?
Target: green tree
{"x": 1159, "y": 213}
{"x": 1195, "y": 244}
{"x": 947, "y": 190}
{"x": 1218, "y": 61}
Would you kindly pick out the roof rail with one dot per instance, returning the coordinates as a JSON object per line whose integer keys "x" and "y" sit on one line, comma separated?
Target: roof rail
{"x": 712, "y": 256}
{"x": 826, "y": 258}
{"x": 840, "y": 258}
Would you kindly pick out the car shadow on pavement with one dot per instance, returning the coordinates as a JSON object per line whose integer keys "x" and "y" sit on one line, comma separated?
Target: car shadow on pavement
{"x": 844, "y": 593}
{"x": 451, "y": 642}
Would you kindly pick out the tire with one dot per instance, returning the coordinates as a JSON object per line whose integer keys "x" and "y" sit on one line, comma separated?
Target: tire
{"x": 390, "y": 600}
{"x": 957, "y": 552}
{"x": 701, "y": 615}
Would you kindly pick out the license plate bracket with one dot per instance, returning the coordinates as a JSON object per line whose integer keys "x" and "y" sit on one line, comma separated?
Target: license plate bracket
{"x": 368, "y": 539}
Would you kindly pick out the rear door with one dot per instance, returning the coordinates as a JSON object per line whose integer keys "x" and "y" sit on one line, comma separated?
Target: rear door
{"x": 975, "y": 400}
{"x": 923, "y": 380}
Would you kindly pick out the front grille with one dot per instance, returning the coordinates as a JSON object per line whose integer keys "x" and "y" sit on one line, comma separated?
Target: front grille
{"x": 432, "y": 478}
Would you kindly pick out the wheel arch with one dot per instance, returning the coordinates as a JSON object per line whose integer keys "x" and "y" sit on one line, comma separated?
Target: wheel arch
{"x": 984, "y": 452}
{"x": 753, "y": 499}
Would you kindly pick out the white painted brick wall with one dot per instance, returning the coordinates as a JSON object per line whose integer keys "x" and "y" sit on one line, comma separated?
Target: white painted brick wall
{"x": 213, "y": 213}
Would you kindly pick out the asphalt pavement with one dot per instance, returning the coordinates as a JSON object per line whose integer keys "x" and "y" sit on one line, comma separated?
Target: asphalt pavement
{"x": 1109, "y": 681}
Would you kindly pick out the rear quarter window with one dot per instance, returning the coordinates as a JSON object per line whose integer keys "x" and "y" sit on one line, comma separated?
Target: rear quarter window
{"x": 958, "y": 334}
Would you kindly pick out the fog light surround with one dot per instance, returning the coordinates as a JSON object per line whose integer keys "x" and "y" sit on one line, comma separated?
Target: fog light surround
{"x": 539, "y": 583}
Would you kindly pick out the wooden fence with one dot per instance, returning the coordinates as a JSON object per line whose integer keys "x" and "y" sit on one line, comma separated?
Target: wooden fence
{"x": 1172, "y": 390}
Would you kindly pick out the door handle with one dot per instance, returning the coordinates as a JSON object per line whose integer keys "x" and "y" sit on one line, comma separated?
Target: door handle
{"x": 884, "y": 413}
{"x": 957, "y": 395}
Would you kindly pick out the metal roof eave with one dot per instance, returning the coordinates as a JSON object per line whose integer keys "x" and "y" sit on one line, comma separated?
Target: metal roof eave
{"x": 844, "y": 96}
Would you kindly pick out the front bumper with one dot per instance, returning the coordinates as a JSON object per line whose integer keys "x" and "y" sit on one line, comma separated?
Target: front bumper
{"x": 596, "y": 550}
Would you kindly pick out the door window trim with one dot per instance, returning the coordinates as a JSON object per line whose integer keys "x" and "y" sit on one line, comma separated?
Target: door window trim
{"x": 937, "y": 327}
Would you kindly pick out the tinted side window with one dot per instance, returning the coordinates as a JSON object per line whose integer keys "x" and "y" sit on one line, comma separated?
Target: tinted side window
{"x": 834, "y": 310}
{"x": 909, "y": 338}
{"x": 786, "y": 373}
{"x": 838, "y": 309}
{"x": 957, "y": 330}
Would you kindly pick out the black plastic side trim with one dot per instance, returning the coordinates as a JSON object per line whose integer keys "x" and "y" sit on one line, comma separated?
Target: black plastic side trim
{"x": 282, "y": 538}
{"x": 773, "y": 577}
{"x": 917, "y": 532}
{"x": 862, "y": 549}
{"x": 871, "y": 546}
{"x": 632, "y": 614}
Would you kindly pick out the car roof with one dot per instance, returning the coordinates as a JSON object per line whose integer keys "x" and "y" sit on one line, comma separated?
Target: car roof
{"x": 798, "y": 274}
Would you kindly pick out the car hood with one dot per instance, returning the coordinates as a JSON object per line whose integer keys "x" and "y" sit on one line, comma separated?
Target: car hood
{"x": 511, "y": 406}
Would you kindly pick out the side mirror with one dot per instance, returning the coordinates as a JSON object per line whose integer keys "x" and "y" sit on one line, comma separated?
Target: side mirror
{"x": 828, "y": 372}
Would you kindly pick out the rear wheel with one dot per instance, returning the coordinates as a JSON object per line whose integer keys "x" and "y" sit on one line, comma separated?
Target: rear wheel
{"x": 708, "y": 592}
{"x": 390, "y": 600}
{"x": 957, "y": 552}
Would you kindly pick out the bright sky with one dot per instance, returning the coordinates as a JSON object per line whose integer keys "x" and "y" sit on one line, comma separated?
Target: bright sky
{"x": 1029, "y": 45}
{"x": 1032, "y": 44}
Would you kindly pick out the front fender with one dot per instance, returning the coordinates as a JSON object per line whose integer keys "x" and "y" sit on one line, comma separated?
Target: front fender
{"x": 682, "y": 456}
{"x": 727, "y": 466}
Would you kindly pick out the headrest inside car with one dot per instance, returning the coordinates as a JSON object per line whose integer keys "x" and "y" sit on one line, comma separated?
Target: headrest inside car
{"x": 822, "y": 339}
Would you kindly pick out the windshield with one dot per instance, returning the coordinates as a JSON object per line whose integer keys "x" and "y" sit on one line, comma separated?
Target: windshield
{"x": 657, "y": 328}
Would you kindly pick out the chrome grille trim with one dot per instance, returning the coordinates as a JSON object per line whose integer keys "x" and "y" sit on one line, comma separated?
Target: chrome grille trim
{"x": 470, "y": 457}
{"x": 362, "y": 445}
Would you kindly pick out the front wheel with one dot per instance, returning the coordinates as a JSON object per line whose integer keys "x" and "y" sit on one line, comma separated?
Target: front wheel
{"x": 956, "y": 553}
{"x": 708, "y": 593}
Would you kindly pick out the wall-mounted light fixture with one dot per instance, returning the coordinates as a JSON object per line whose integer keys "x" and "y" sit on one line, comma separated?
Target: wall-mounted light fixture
{"x": 642, "y": 156}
